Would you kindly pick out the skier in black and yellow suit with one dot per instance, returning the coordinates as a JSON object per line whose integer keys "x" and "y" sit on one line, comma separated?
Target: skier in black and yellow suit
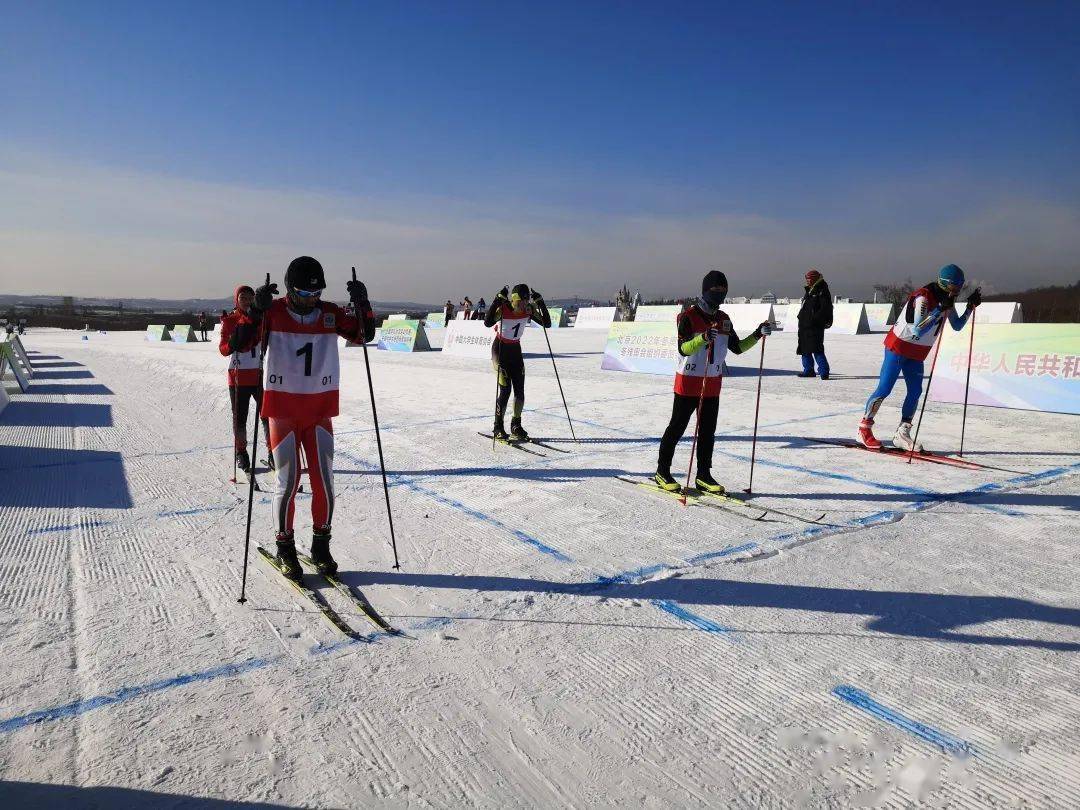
{"x": 510, "y": 313}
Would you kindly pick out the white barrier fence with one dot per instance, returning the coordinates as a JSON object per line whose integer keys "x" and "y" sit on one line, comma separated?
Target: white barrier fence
{"x": 468, "y": 339}
{"x": 848, "y": 319}
{"x": 594, "y": 318}
{"x": 995, "y": 312}
{"x": 879, "y": 317}
{"x": 657, "y": 313}
{"x": 745, "y": 318}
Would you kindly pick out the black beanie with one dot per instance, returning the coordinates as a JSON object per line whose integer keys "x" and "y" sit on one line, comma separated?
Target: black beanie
{"x": 714, "y": 278}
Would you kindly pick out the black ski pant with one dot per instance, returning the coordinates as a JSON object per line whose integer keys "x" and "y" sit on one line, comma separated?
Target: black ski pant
{"x": 239, "y": 396}
{"x": 508, "y": 362}
{"x": 681, "y": 410}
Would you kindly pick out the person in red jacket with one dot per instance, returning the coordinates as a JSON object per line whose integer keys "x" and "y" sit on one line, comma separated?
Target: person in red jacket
{"x": 300, "y": 332}
{"x": 705, "y": 337}
{"x": 245, "y": 383}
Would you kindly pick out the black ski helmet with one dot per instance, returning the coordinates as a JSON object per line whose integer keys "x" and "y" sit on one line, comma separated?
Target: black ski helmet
{"x": 521, "y": 291}
{"x": 714, "y": 278}
{"x": 305, "y": 273}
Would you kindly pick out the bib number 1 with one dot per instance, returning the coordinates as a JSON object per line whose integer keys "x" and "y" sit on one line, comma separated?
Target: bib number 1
{"x": 306, "y": 351}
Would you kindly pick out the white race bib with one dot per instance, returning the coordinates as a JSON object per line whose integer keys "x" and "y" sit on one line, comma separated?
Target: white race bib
{"x": 302, "y": 363}
{"x": 513, "y": 328}
{"x": 244, "y": 361}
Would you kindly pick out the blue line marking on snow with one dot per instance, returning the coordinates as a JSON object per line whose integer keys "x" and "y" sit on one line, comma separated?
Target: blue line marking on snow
{"x": 700, "y": 622}
{"x": 813, "y": 532}
{"x": 633, "y": 575}
{"x": 831, "y": 475}
{"x": 323, "y": 649}
{"x": 861, "y": 700}
{"x": 131, "y": 692}
{"x": 434, "y": 623}
{"x": 724, "y": 552}
{"x": 199, "y": 511}
{"x": 408, "y": 483}
{"x": 70, "y": 528}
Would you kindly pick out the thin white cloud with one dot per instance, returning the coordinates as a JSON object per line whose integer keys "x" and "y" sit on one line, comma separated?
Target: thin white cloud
{"x": 86, "y": 230}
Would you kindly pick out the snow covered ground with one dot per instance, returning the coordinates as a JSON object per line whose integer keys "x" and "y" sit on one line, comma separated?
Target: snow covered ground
{"x": 572, "y": 640}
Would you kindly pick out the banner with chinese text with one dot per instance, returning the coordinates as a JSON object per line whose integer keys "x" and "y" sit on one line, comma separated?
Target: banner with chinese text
{"x": 403, "y": 336}
{"x": 645, "y": 348}
{"x": 1030, "y": 367}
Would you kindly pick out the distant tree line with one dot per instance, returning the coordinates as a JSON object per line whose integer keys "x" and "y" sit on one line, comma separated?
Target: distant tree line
{"x": 1055, "y": 304}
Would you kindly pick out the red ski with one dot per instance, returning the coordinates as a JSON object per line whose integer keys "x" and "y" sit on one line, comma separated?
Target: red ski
{"x": 899, "y": 452}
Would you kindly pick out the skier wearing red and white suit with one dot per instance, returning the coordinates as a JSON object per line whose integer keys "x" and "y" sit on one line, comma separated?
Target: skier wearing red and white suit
{"x": 244, "y": 381}
{"x": 906, "y": 347}
{"x": 300, "y": 332}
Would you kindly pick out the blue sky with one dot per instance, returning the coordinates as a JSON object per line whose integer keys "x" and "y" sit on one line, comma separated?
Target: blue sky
{"x": 445, "y": 148}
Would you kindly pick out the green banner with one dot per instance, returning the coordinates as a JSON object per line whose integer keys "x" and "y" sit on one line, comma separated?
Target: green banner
{"x": 1026, "y": 366}
{"x": 645, "y": 348}
{"x": 403, "y": 336}
{"x": 183, "y": 333}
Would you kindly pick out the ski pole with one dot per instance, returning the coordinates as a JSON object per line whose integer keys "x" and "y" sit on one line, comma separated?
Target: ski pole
{"x": 251, "y": 475}
{"x": 926, "y": 396}
{"x": 498, "y": 385}
{"x": 561, "y": 394}
{"x": 967, "y": 383}
{"x": 697, "y": 421}
{"x": 757, "y": 407}
{"x": 378, "y": 438}
{"x": 233, "y": 398}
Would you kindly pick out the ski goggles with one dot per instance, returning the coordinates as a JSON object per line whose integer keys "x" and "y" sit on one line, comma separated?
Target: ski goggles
{"x": 949, "y": 287}
{"x": 308, "y": 293}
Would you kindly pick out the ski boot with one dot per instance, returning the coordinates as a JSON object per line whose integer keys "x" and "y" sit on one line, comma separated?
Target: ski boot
{"x": 517, "y": 432}
{"x": 866, "y": 435}
{"x": 806, "y": 374}
{"x": 706, "y": 483}
{"x": 320, "y": 551}
{"x": 664, "y": 480}
{"x": 825, "y": 376}
{"x": 243, "y": 461}
{"x": 286, "y": 557}
{"x": 499, "y": 431}
{"x": 903, "y": 438}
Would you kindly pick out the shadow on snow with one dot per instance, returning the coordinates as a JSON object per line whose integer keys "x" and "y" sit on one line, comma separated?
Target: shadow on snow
{"x": 921, "y": 615}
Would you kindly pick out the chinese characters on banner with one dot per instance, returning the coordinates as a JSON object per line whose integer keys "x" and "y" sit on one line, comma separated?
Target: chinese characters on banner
{"x": 1032, "y": 366}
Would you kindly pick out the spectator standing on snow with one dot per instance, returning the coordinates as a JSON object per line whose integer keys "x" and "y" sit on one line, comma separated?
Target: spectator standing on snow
{"x": 204, "y": 325}
{"x": 481, "y": 310}
{"x": 448, "y": 312}
{"x": 815, "y": 316}
{"x": 466, "y": 308}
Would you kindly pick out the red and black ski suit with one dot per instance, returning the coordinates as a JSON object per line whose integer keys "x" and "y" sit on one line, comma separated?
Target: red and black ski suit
{"x": 300, "y": 398}
{"x": 244, "y": 382}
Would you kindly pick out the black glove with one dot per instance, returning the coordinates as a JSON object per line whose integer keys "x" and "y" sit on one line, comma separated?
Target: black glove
{"x": 504, "y": 293}
{"x": 536, "y": 296}
{"x": 358, "y": 294}
{"x": 975, "y": 298}
{"x": 264, "y": 297}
